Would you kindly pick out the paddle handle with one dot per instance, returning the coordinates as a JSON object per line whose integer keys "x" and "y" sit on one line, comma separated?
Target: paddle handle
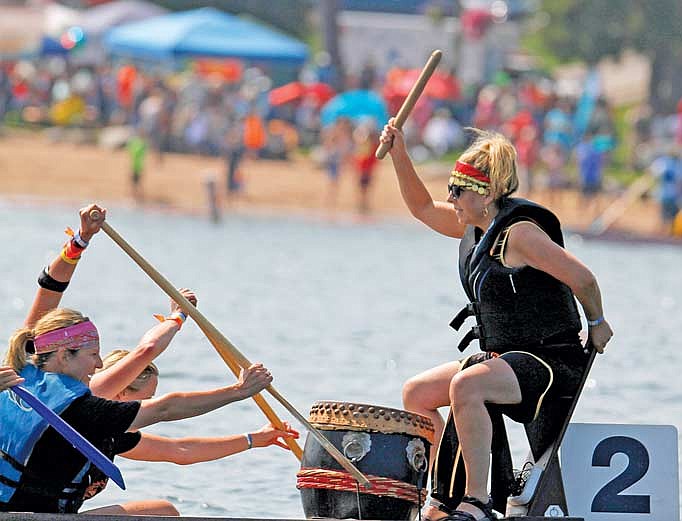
{"x": 71, "y": 435}
{"x": 227, "y": 350}
{"x": 232, "y": 357}
{"x": 412, "y": 98}
{"x": 260, "y": 401}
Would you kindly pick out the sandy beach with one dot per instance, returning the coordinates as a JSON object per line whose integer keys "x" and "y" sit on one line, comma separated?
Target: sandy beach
{"x": 36, "y": 169}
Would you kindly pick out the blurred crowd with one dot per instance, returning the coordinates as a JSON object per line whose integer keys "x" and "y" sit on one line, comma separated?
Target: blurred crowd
{"x": 226, "y": 111}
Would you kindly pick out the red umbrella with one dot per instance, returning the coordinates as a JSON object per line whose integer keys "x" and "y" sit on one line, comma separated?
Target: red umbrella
{"x": 296, "y": 91}
{"x": 320, "y": 92}
{"x": 286, "y": 93}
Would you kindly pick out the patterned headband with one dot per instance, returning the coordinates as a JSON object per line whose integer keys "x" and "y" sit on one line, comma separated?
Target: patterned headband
{"x": 78, "y": 336}
{"x": 469, "y": 178}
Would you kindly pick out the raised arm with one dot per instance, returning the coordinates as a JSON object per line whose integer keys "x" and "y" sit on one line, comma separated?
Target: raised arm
{"x": 529, "y": 245}
{"x": 177, "y": 406}
{"x": 54, "y": 279}
{"x": 185, "y": 451}
{"x": 438, "y": 215}
{"x": 110, "y": 382}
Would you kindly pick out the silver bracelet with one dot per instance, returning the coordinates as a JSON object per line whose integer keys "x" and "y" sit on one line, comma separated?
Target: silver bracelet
{"x": 249, "y": 440}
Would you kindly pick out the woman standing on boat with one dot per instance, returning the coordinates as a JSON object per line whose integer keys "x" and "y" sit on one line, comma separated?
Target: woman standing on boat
{"x": 521, "y": 283}
{"x": 56, "y": 353}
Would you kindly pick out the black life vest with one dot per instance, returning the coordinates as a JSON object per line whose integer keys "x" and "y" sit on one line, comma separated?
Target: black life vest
{"x": 515, "y": 308}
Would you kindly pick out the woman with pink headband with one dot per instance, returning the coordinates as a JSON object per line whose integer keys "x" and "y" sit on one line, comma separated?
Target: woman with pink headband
{"x": 55, "y": 356}
{"x": 522, "y": 285}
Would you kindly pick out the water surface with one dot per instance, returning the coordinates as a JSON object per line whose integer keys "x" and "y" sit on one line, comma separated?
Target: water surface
{"x": 340, "y": 311}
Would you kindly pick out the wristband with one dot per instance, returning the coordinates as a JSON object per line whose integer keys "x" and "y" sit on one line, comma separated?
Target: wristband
{"x": 47, "y": 282}
{"x": 596, "y": 321}
{"x": 178, "y": 317}
{"x": 69, "y": 260}
{"x": 80, "y": 242}
{"x": 249, "y": 440}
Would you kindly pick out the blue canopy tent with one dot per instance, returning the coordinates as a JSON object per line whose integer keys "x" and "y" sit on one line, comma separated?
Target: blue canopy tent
{"x": 205, "y": 32}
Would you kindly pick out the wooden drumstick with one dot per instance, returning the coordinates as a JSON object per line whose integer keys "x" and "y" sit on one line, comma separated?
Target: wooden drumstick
{"x": 231, "y": 355}
{"x": 412, "y": 98}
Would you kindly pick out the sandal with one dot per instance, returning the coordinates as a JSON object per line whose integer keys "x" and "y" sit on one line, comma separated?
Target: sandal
{"x": 435, "y": 507}
{"x": 460, "y": 515}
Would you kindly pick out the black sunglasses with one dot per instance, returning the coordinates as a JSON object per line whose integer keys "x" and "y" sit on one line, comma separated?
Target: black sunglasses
{"x": 455, "y": 191}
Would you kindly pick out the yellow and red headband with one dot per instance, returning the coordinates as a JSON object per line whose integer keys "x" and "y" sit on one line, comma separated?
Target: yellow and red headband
{"x": 469, "y": 178}
{"x": 78, "y": 336}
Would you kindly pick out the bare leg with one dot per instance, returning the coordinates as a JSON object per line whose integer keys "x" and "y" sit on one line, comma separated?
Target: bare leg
{"x": 427, "y": 391}
{"x": 492, "y": 381}
{"x": 150, "y": 507}
{"x": 424, "y": 394}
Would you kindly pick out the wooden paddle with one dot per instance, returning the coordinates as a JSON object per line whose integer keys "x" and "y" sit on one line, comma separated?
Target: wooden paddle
{"x": 232, "y": 356}
{"x": 412, "y": 98}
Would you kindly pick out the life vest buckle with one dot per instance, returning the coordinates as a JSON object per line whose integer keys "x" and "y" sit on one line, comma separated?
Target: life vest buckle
{"x": 474, "y": 333}
{"x": 467, "y": 311}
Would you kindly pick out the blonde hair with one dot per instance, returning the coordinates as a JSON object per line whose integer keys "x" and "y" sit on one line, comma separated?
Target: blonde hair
{"x": 119, "y": 354}
{"x": 16, "y": 356}
{"x": 494, "y": 155}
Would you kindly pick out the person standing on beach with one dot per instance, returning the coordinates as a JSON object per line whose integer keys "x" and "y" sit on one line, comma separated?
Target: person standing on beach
{"x": 137, "y": 150}
{"x": 233, "y": 153}
{"x": 337, "y": 143}
{"x": 590, "y": 162}
{"x": 667, "y": 169}
{"x": 522, "y": 285}
{"x": 365, "y": 140}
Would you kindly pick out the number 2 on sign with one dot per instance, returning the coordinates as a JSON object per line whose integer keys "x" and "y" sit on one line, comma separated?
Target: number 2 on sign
{"x": 609, "y": 498}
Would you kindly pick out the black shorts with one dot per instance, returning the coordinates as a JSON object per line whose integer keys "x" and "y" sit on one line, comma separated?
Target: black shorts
{"x": 542, "y": 372}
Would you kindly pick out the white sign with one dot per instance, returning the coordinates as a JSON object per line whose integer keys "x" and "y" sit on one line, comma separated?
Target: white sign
{"x": 621, "y": 472}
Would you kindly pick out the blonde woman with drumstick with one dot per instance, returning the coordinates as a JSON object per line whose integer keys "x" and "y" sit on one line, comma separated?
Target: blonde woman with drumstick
{"x": 522, "y": 285}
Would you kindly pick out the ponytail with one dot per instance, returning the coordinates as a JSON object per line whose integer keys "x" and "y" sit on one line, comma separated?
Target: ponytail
{"x": 16, "y": 353}
{"x": 493, "y": 154}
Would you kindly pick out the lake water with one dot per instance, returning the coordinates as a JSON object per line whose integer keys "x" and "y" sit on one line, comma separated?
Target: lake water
{"x": 337, "y": 310}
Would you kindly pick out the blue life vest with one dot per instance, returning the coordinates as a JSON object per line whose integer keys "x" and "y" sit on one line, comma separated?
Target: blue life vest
{"x": 22, "y": 427}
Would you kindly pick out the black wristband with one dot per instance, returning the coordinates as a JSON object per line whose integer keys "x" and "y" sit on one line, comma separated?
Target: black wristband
{"x": 47, "y": 282}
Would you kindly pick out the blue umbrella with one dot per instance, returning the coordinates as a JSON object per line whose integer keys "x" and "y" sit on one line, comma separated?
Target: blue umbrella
{"x": 356, "y": 105}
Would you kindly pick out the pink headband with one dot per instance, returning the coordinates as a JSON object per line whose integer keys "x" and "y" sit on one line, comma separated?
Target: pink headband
{"x": 78, "y": 336}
